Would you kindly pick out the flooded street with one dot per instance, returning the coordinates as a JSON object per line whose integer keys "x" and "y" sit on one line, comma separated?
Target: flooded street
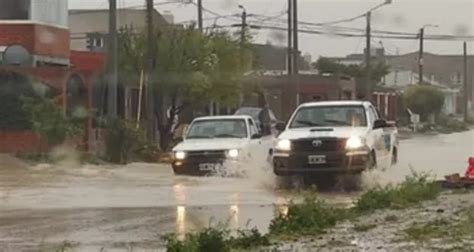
{"x": 118, "y": 208}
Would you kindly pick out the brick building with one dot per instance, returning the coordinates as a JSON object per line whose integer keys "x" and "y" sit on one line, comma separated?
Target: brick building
{"x": 35, "y": 42}
{"x": 280, "y": 91}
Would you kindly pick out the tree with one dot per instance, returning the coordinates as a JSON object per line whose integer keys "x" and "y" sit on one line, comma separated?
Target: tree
{"x": 359, "y": 72}
{"x": 191, "y": 68}
{"x": 424, "y": 100}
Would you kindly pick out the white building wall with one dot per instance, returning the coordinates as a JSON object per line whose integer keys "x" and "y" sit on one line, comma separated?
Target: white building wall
{"x": 54, "y": 12}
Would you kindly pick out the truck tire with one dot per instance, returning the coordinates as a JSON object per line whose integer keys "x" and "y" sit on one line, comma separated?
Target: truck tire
{"x": 394, "y": 156}
{"x": 371, "y": 162}
{"x": 349, "y": 182}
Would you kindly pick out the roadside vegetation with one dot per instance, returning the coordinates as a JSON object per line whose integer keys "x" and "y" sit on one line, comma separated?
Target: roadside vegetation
{"x": 217, "y": 239}
{"x": 456, "y": 229}
{"x": 314, "y": 216}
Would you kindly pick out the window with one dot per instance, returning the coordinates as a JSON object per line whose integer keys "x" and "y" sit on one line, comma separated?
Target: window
{"x": 218, "y": 128}
{"x": 253, "y": 129}
{"x": 373, "y": 115}
{"x": 98, "y": 42}
{"x": 330, "y": 116}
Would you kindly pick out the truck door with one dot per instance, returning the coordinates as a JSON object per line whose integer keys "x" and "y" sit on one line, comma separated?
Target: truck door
{"x": 377, "y": 136}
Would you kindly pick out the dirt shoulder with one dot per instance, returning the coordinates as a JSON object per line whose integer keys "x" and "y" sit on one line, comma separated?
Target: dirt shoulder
{"x": 445, "y": 224}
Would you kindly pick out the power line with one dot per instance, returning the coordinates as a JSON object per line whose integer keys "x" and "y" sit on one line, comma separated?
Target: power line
{"x": 349, "y": 34}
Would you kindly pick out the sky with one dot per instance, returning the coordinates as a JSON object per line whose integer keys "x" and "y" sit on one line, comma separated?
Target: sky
{"x": 453, "y": 17}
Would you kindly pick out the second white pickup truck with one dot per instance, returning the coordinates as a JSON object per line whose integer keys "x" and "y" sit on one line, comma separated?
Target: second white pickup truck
{"x": 211, "y": 141}
{"x": 333, "y": 138}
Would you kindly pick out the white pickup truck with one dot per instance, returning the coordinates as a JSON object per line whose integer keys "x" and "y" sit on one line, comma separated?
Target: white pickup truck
{"x": 210, "y": 141}
{"x": 334, "y": 137}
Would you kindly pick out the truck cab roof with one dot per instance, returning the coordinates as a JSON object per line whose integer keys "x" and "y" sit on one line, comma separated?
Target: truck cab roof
{"x": 227, "y": 117}
{"x": 336, "y": 103}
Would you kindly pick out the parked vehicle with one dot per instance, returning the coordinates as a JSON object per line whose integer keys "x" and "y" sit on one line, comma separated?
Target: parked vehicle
{"x": 256, "y": 114}
{"x": 331, "y": 138}
{"x": 210, "y": 141}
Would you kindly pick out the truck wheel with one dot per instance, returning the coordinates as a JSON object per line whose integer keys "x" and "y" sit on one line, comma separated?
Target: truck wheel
{"x": 322, "y": 182}
{"x": 371, "y": 162}
{"x": 178, "y": 171}
{"x": 394, "y": 156}
{"x": 349, "y": 182}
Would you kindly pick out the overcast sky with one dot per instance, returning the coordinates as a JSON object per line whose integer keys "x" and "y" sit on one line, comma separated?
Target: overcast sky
{"x": 452, "y": 16}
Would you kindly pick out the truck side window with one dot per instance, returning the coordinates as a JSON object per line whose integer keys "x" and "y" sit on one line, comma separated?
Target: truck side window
{"x": 372, "y": 115}
{"x": 253, "y": 129}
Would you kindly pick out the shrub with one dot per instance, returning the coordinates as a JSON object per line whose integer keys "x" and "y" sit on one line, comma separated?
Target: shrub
{"x": 312, "y": 216}
{"x": 49, "y": 122}
{"x": 216, "y": 239}
{"x": 424, "y": 99}
{"x": 248, "y": 239}
{"x": 124, "y": 142}
{"x": 415, "y": 188}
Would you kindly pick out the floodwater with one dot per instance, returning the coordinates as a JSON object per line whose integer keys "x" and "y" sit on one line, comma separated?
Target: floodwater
{"x": 132, "y": 207}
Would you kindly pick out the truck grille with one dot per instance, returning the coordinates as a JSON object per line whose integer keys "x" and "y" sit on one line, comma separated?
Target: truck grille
{"x": 206, "y": 156}
{"x": 321, "y": 144}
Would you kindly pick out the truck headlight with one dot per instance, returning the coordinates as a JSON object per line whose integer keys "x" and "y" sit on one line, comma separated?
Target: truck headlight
{"x": 234, "y": 153}
{"x": 284, "y": 145}
{"x": 180, "y": 155}
{"x": 354, "y": 142}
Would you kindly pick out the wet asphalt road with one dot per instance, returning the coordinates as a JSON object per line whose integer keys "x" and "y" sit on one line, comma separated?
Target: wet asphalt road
{"x": 119, "y": 208}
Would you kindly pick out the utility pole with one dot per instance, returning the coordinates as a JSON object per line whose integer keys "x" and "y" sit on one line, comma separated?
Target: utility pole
{"x": 467, "y": 88}
{"x": 150, "y": 108}
{"x": 296, "y": 51}
{"x": 199, "y": 5}
{"x": 290, "y": 39}
{"x": 112, "y": 60}
{"x": 243, "y": 25}
{"x": 368, "y": 57}
{"x": 420, "y": 56}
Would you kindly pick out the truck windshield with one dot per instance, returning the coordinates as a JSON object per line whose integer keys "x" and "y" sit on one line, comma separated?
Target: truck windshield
{"x": 330, "y": 116}
{"x": 219, "y": 128}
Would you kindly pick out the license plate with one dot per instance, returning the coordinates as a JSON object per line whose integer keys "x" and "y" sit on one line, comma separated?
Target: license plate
{"x": 206, "y": 167}
{"x": 316, "y": 159}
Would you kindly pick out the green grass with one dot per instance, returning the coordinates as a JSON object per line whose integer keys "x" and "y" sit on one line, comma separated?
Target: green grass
{"x": 217, "y": 239}
{"x": 415, "y": 189}
{"x": 312, "y": 216}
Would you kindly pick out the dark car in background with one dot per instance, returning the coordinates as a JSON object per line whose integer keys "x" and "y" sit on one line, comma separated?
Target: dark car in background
{"x": 255, "y": 112}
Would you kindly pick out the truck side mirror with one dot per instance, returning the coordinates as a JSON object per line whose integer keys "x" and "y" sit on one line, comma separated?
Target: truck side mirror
{"x": 280, "y": 126}
{"x": 380, "y": 123}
